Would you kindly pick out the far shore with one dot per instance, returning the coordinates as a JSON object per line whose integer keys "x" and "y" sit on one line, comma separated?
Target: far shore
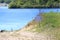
{"x": 3, "y": 4}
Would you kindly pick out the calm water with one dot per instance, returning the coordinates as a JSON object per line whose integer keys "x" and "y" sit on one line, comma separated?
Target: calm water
{"x": 50, "y": 10}
{"x": 17, "y": 18}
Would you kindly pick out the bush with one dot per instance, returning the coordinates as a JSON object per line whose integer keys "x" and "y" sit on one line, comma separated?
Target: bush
{"x": 12, "y": 4}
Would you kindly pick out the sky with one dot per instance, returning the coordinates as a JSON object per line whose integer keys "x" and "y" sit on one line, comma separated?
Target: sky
{"x": 16, "y": 18}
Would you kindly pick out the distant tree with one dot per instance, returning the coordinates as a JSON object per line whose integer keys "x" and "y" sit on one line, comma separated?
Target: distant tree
{"x": 1, "y": 1}
{"x": 35, "y": 3}
{"x": 7, "y": 1}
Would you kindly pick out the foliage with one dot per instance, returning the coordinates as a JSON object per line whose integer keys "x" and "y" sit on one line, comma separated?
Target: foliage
{"x": 6, "y": 1}
{"x": 32, "y": 3}
{"x": 36, "y": 3}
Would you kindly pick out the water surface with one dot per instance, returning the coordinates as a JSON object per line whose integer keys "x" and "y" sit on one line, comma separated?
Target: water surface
{"x": 16, "y": 18}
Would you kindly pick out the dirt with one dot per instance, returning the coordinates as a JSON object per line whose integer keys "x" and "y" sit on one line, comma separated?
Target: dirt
{"x": 24, "y": 35}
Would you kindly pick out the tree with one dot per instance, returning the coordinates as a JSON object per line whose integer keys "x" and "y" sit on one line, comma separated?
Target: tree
{"x": 1, "y": 1}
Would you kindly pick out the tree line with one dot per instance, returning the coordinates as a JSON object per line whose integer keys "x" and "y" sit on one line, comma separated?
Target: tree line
{"x": 32, "y": 3}
{"x": 6, "y": 1}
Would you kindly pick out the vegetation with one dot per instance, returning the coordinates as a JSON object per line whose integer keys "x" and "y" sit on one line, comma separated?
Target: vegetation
{"x": 49, "y": 20}
{"x": 34, "y": 4}
{"x": 49, "y": 24}
{"x": 6, "y": 1}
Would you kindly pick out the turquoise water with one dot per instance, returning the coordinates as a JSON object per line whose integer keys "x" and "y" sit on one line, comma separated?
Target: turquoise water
{"x": 16, "y": 18}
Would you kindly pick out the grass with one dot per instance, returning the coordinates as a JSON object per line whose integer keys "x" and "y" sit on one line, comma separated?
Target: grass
{"x": 49, "y": 24}
{"x": 49, "y": 20}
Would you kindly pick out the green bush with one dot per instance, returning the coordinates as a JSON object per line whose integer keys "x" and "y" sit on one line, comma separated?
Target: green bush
{"x": 12, "y": 4}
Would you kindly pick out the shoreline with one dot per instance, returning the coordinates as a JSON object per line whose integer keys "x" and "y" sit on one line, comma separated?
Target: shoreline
{"x": 3, "y": 4}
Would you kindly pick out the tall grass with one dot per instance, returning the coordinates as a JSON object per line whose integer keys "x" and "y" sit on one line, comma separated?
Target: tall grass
{"x": 50, "y": 24}
{"x": 49, "y": 20}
